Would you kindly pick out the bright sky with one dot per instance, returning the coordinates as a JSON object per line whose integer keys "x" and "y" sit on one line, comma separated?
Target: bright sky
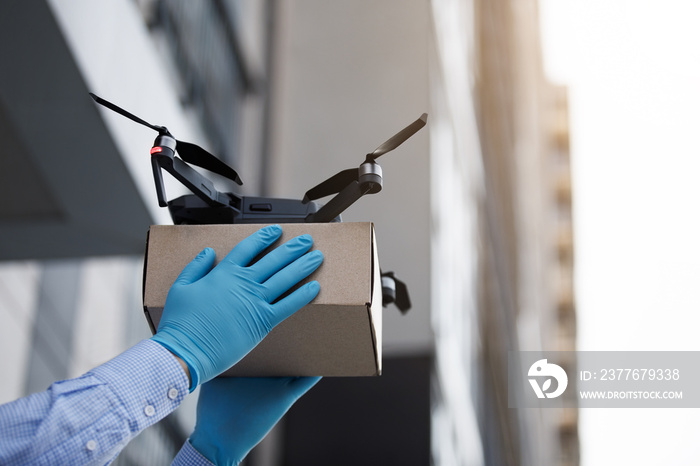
{"x": 633, "y": 71}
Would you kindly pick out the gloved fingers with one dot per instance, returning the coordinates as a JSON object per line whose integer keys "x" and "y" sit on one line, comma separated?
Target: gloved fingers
{"x": 253, "y": 245}
{"x": 235, "y": 413}
{"x": 295, "y": 301}
{"x": 197, "y": 268}
{"x": 282, "y": 281}
{"x": 281, "y": 257}
{"x": 300, "y": 385}
{"x": 225, "y": 391}
{"x": 284, "y": 390}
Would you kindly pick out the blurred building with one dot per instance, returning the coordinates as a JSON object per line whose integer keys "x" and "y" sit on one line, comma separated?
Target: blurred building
{"x": 526, "y": 299}
{"x": 475, "y": 214}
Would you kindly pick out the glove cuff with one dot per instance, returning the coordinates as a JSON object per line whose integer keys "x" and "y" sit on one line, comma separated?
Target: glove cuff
{"x": 182, "y": 354}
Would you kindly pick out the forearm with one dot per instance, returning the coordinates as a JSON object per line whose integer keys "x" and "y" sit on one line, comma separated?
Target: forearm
{"x": 91, "y": 418}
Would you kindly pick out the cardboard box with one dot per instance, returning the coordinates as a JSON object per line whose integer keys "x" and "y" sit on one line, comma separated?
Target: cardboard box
{"x": 338, "y": 334}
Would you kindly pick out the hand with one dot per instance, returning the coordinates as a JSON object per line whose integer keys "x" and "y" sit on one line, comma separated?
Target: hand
{"x": 214, "y": 317}
{"x": 234, "y": 414}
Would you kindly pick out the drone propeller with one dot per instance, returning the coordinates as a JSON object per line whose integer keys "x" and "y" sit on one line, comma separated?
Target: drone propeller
{"x": 130, "y": 116}
{"x": 399, "y": 138}
{"x": 189, "y": 152}
{"x": 340, "y": 180}
{"x": 395, "y": 291}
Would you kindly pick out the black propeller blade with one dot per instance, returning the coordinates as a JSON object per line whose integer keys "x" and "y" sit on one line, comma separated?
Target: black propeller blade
{"x": 399, "y": 138}
{"x": 189, "y": 152}
{"x": 337, "y": 182}
{"x": 130, "y": 116}
{"x": 195, "y": 155}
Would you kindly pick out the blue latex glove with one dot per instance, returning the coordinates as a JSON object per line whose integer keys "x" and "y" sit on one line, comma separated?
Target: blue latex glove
{"x": 234, "y": 414}
{"x": 214, "y": 317}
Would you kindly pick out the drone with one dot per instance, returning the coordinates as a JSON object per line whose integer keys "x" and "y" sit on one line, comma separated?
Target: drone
{"x": 207, "y": 205}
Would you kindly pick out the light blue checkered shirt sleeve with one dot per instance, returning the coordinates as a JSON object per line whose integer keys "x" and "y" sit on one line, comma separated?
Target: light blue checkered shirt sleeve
{"x": 188, "y": 456}
{"x": 88, "y": 420}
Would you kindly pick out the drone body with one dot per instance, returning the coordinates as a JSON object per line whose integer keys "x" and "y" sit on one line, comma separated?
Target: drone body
{"x": 207, "y": 205}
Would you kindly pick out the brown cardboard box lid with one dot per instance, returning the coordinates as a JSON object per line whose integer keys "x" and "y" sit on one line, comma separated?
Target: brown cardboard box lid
{"x": 338, "y": 334}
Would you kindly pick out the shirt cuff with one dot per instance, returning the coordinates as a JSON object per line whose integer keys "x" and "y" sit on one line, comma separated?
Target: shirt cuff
{"x": 148, "y": 381}
{"x": 188, "y": 455}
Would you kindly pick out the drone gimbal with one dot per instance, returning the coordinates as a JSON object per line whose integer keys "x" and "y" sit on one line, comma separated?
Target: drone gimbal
{"x": 207, "y": 205}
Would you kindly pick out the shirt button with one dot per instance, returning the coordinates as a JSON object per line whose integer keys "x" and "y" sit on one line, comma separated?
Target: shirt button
{"x": 172, "y": 393}
{"x": 91, "y": 445}
{"x": 149, "y": 410}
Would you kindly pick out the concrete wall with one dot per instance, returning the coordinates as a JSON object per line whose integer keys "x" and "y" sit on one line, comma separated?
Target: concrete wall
{"x": 348, "y": 75}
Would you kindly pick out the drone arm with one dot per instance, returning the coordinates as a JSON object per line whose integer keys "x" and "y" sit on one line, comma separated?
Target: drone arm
{"x": 339, "y": 203}
{"x": 198, "y": 184}
{"x": 395, "y": 291}
{"x": 332, "y": 185}
{"x": 158, "y": 178}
